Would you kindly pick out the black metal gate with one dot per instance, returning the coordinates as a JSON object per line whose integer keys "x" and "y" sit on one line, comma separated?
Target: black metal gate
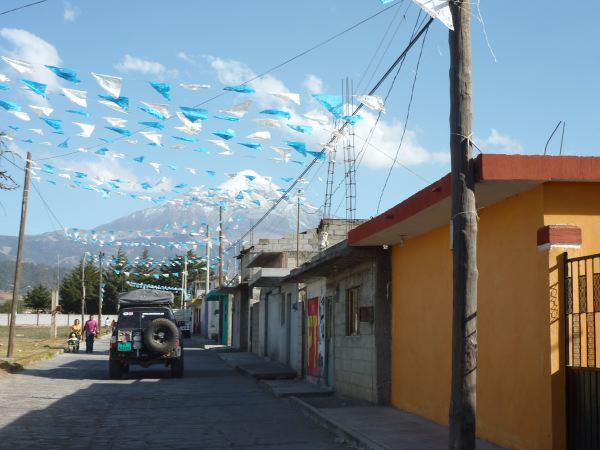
{"x": 582, "y": 356}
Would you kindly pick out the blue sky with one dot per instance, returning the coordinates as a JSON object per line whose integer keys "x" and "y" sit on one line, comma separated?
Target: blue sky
{"x": 547, "y": 69}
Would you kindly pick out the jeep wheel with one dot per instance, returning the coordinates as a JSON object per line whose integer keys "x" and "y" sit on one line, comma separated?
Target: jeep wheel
{"x": 177, "y": 367}
{"x": 160, "y": 336}
{"x": 115, "y": 369}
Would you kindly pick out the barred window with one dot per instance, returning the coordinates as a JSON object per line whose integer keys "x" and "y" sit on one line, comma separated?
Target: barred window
{"x": 352, "y": 312}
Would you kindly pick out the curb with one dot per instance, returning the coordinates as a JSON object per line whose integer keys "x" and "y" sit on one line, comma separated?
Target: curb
{"x": 350, "y": 437}
{"x": 20, "y": 364}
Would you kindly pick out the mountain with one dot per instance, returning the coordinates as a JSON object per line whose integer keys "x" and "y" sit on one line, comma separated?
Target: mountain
{"x": 246, "y": 196}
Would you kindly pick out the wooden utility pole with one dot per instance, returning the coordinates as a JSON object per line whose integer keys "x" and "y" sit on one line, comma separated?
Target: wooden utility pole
{"x": 100, "y": 293}
{"x": 83, "y": 290}
{"x": 17, "y": 279}
{"x": 220, "y": 246}
{"x": 298, "y": 230}
{"x": 207, "y": 260}
{"x": 184, "y": 281}
{"x": 464, "y": 235}
{"x": 54, "y": 311}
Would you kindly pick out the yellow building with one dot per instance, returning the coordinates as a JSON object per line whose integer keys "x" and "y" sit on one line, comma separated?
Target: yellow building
{"x": 532, "y": 209}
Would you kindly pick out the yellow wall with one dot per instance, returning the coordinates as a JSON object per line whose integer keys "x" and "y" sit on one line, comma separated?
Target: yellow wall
{"x": 516, "y": 407}
{"x": 567, "y": 204}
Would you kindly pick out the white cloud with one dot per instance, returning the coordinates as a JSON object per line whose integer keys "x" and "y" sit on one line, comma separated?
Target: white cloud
{"x": 383, "y": 144}
{"x": 33, "y": 49}
{"x": 497, "y": 141}
{"x": 70, "y": 12}
{"x": 313, "y": 84}
{"x": 232, "y": 72}
{"x": 134, "y": 64}
{"x": 190, "y": 59}
{"x": 107, "y": 168}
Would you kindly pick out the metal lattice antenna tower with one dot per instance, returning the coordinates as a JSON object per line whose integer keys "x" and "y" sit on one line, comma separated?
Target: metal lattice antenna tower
{"x": 349, "y": 158}
{"x": 329, "y": 185}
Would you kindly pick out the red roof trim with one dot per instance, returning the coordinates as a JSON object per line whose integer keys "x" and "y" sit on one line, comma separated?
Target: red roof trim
{"x": 490, "y": 167}
{"x": 537, "y": 168}
{"x": 418, "y": 202}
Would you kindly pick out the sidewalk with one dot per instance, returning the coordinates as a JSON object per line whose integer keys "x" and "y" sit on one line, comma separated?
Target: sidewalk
{"x": 360, "y": 424}
{"x": 377, "y": 427}
{"x": 255, "y": 366}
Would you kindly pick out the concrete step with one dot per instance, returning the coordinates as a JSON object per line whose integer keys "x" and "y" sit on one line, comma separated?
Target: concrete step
{"x": 296, "y": 388}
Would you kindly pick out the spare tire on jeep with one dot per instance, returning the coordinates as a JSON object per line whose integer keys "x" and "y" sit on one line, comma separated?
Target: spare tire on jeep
{"x": 161, "y": 335}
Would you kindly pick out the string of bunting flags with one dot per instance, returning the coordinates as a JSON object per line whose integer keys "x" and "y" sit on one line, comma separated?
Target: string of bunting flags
{"x": 185, "y": 134}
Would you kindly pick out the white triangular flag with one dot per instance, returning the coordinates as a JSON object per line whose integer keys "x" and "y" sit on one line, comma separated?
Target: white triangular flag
{"x": 238, "y": 110}
{"x": 285, "y": 153}
{"x": 77, "y": 97}
{"x": 116, "y": 121}
{"x": 112, "y": 105}
{"x": 288, "y": 96}
{"x": 317, "y": 117}
{"x": 153, "y": 137}
{"x": 86, "y": 129}
{"x": 41, "y": 110}
{"x": 374, "y": 102}
{"x": 37, "y": 131}
{"x": 438, "y": 9}
{"x": 110, "y": 84}
{"x": 160, "y": 107}
{"x": 20, "y": 115}
{"x": 268, "y": 122}
{"x": 194, "y": 86}
{"x": 219, "y": 143}
{"x": 4, "y": 78}
{"x": 18, "y": 65}
{"x": 156, "y": 166}
{"x": 260, "y": 135}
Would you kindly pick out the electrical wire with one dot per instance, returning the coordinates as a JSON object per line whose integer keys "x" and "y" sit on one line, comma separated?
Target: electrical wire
{"x": 412, "y": 93}
{"x": 362, "y": 152}
{"x": 22, "y": 7}
{"x": 341, "y": 129}
{"x": 262, "y": 74}
{"x": 376, "y": 52}
{"x": 46, "y": 205}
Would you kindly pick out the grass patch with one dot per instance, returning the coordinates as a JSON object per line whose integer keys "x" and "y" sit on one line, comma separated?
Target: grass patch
{"x": 31, "y": 344}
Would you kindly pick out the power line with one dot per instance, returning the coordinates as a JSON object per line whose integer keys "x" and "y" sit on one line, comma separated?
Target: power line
{"x": 367, "y": 141}
{"x": 46, "y": 205}
{"x": 22, "y": 7}
{"x": 341, "y": 129}
{"x": 266, "y": 72}
{"x": 412, "y": 93}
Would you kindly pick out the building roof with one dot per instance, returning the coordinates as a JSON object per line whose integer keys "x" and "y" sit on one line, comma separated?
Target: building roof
{"x": 497, "y": 178}
{"x": 335, "y": 259}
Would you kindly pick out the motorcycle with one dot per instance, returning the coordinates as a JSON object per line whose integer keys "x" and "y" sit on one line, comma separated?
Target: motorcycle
{"x": 73, "y": 342}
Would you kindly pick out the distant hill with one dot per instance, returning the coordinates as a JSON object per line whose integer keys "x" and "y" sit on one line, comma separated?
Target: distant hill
{"x": 248, "y": 195}
{"x": 31, "y": 274}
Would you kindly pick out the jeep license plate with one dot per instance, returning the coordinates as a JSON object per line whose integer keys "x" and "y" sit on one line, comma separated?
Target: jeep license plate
{"x": 124, "y": 346}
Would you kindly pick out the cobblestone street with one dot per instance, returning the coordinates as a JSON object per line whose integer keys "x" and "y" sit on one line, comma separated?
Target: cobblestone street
{"x": 69, "y": 403}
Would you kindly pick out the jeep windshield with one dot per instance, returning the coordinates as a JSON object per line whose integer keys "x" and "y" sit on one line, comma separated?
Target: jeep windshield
{"x": 141, "y": 317}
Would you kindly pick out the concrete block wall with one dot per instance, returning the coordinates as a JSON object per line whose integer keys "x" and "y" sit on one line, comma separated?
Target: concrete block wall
{"x": 355, "y": 365}
{"x": 34, "y": 319}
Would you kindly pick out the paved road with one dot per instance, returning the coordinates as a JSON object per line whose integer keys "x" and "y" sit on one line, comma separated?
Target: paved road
{"x": 69, "y": 403}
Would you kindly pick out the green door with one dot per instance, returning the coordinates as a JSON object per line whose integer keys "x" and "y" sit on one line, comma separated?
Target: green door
{"x": 225, "y": 320}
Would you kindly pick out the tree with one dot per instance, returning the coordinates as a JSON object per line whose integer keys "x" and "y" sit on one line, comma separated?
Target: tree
{"x": 70, "y": 290}
{"x": 141, "y": 271}
{"x": 38, "y": 298}
{"x": 115, "y": 281}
